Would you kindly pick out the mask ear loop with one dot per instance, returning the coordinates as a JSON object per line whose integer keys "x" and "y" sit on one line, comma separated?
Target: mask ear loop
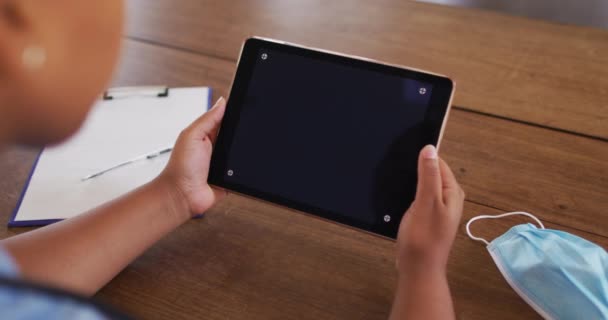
{"x": 496, "y": 217}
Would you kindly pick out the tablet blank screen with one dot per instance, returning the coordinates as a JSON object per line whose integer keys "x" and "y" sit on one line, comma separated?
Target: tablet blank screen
{"x": 329, "y": 135}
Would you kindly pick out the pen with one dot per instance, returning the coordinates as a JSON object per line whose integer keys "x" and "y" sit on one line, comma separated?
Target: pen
{"x": 122, "y": 164}
{"x": 156, "y": 154}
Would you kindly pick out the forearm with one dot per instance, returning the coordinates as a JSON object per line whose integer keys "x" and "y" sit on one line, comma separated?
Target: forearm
{"x": 84, "y": 253}
{"x": 422, "y": 294}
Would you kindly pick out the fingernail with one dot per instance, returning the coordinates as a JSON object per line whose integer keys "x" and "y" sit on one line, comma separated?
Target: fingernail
{"x": 429, "y": 152}
{"x": 219, "y": 101}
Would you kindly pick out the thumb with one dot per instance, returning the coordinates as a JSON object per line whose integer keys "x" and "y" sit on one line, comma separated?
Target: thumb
{"x": 429, "y": 176}
{"x": 208, "y": 124}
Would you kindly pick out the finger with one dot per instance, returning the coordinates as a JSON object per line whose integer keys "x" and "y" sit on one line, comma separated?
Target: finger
{"x": 214, "y": 131}
{"x": 429, "y": 177}
{"x": 451, "y": 188}
{"x": 208, "y": 124}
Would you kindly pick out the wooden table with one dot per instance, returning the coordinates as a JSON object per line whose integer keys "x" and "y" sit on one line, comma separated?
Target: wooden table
{"x": 529, "y": 132}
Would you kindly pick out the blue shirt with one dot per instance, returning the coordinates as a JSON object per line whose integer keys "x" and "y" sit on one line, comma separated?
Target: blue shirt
{"x": 30, "y": 304}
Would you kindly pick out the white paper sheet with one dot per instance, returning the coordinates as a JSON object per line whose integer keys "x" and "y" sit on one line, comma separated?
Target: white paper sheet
{"x": 115, "y": 131}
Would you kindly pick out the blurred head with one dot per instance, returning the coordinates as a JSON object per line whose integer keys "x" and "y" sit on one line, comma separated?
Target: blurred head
{"x": 55, "y": 58}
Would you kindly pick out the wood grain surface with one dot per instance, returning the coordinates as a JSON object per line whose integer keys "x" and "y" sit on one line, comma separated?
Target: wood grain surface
{"x": 529, "y": 134}
{"x": 247, "y": 259}
{"x": 539, "y": 72}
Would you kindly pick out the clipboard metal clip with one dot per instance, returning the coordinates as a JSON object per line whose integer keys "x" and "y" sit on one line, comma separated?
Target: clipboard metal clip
{"x": 128, "y": 92}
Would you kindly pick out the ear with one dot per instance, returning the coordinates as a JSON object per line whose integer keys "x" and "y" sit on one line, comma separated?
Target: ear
{"x": 48, "y": 48}
{"x": 14, "y": 32}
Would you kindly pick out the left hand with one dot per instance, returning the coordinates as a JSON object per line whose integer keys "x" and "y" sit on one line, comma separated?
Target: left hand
{"x": 188, "y": 169}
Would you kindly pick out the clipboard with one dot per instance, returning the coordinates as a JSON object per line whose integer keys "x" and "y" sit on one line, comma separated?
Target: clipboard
{"x": 124, "y": 123}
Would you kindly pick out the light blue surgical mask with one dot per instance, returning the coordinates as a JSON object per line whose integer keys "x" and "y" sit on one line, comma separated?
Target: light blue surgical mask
{"x": 560, "y": 275}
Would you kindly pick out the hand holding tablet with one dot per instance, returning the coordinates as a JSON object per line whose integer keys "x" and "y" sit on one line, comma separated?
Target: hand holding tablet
{"x": 327, "y": 134}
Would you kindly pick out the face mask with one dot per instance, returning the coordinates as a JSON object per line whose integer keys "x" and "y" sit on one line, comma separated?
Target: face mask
{"x": 560, "y": 275}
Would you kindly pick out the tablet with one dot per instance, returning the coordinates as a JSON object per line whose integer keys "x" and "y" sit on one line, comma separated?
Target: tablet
{"x": 328, "y": 134}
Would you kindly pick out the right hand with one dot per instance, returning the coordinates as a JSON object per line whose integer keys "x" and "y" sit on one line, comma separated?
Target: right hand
{"x": 428, "y": 229}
